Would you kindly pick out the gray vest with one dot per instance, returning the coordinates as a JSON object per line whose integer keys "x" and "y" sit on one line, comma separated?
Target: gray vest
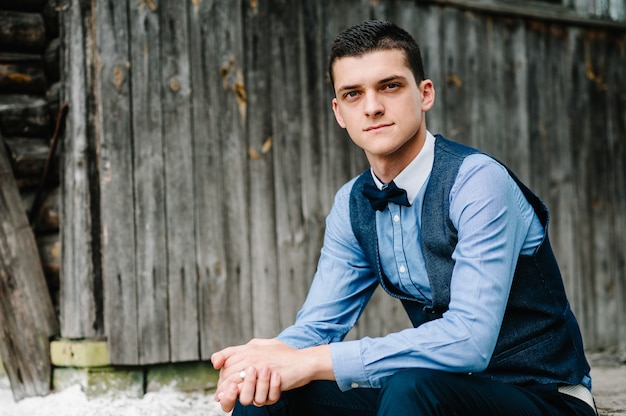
{"x": 540, "y": 341}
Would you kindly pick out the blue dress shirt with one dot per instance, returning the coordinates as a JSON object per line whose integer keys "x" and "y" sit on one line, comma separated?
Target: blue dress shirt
{"x": 495, "y": 224}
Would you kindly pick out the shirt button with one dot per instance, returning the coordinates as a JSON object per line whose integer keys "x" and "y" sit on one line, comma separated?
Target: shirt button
{"x": 402, "y": 269}
{"x": 396, "y": 218}
{"x": 354, "y": 385}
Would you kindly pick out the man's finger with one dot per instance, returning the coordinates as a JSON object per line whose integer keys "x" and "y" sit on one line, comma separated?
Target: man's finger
{"x": 248, "y": 386}
{"x": 228, "y": 397}
{"x": 262, "y": 387}
{"x": 274, "y": 391}
{"x": 218, "y": 359}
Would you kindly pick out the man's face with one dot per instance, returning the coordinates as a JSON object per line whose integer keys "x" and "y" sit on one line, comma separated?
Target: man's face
{"x": 379, "y": 103}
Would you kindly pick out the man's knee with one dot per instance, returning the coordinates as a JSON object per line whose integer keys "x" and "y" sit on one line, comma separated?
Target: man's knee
{"x": 422, "y": 390}
{"x": 414, "y": 381}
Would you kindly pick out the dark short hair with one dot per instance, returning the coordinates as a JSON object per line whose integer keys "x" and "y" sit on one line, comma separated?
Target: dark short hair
{"x": 376, "y": 35}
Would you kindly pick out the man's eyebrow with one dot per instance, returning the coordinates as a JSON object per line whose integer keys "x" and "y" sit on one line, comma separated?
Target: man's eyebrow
{"x": 392, "y": 78}
{"x": 380, "y": 82}
{"x": 348, "y": 87}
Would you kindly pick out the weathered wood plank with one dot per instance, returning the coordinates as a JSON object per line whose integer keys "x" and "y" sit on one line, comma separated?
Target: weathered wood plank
{"x": 264, "y": 144}
{"x": 219, "y": 110}
{"x": 22, "y": 78}
{"x": 9, "y": 57}
{"x": 514, "y": 115}
{"x": 491, "y": 86}
{"x": 27, "y": 318}
{"x": 599, "y": 195}
{"x": 149, "y": 182}
{"x": 556, "y": 90}
{"x": 452, "y": 95}
{"x": 580, "y": 134}
{"x": 29, "y": 156}
{"x": 217, "y": 322}
{"x": 291, "y": 182}
{"x": 229, "y": 108}
{"x": 24, "y": 115}
{"x": 538, "y": 111}
{"x": 475, "y": 86}
{"x": 424, "y": 23}
{"x": 616, "y": 148}
{"x": 119, "y": 269}
{"x": 315, "y": 108}
{"x": 23, "y": 32}
{"x": 81, "y": 309}
{"x": 182, "y": 275}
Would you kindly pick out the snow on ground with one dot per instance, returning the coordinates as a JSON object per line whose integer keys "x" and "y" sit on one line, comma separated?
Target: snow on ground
{"x": 609, "y": 380}
{"x": 73, "y": 402}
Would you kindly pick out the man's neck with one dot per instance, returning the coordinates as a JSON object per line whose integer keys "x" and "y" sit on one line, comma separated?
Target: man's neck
{"x": 386, "y": 168}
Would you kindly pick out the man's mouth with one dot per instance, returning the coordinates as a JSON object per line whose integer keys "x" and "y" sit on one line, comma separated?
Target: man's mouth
{"x": 377, "y": 126}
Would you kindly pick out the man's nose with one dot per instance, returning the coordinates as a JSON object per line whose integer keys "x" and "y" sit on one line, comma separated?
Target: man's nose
{"x": 373, "y": 105}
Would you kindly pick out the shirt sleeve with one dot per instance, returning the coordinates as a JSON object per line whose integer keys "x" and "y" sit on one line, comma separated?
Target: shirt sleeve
{"x": 342, "y": 286}
{"x": 492, "y": 218}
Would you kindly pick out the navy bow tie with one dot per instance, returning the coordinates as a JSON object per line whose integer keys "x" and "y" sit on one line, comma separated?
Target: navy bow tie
{"x": 390, "y": 193}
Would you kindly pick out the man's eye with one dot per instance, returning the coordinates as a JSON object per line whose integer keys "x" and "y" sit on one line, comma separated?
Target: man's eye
{"x": 392, "y": 86}
{"x": 351, "y": 94}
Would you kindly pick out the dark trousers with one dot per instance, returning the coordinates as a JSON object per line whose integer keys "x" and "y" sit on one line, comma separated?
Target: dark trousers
{"x": 423, "y": 392}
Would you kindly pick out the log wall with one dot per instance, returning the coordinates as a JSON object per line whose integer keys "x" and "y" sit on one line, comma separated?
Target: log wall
{"x": 30, "y": 244}
{"x": 202, "y": 157}
{"x": 29, "y": 106}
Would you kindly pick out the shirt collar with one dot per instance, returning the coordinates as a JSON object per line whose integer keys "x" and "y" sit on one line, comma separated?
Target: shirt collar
{"x": 414, "y": 176}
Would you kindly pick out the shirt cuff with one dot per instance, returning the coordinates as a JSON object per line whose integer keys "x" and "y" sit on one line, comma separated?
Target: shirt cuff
{"x": 291, "y": 338}
{"x": 348, "y": 365}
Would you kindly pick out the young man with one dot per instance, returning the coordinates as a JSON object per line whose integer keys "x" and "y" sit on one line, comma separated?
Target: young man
{"x": 446, "y": 229}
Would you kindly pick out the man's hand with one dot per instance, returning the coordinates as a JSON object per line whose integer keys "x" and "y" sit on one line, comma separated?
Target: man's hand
{"x": 268, "y": 367}
{"x": 259, "y": 388}
{"x": 246, "y": 376}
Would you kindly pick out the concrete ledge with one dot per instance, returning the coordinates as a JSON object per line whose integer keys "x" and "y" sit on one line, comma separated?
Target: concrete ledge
{"x": 186, "y": 377}
{"x": 83, "y": 353}
{"x": 101, "y": 381}
{"x": 87, "y": 363}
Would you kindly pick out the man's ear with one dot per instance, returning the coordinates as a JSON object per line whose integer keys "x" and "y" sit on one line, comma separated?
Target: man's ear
{"x": 338, "y": 116}
{"x": 427, "y": 90}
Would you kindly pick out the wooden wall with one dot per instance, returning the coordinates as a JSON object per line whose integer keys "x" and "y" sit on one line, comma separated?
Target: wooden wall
{"x": 202, "y": 157}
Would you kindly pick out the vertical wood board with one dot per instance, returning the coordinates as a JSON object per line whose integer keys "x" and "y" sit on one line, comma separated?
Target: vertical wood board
{"x": 182, "y": 275}
{"x": 115, "y": 153}
{"x": 80, "y": 257}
